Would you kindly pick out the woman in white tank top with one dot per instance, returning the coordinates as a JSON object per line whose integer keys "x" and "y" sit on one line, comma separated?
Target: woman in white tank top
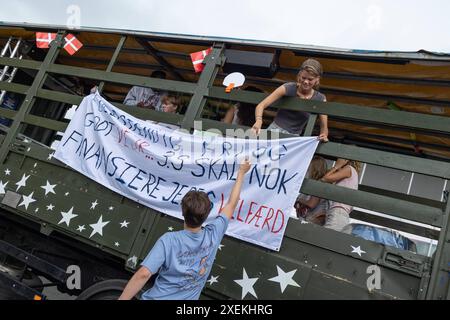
{"x": 343, "y": 174}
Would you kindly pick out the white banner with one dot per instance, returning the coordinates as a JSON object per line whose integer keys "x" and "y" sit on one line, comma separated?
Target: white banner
{"x": 155, "y": 166}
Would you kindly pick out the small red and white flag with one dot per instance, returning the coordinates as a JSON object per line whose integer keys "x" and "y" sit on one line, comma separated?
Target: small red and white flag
{"x": 43, "y": 39}
{"x": 198, "y": 57}
{"x": 72, "y": 44}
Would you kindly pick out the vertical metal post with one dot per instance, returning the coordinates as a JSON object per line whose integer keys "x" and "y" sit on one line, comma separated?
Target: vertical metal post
{"x": 113, "y": 60}
{"x": 440, "y": 276}
{"x": 213, "y": 62}
{"x": 310, "y": 125}
{"x": 28, "y": 102}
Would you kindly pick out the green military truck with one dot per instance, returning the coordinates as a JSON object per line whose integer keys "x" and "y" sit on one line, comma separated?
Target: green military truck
{"x": 388, "y": 110}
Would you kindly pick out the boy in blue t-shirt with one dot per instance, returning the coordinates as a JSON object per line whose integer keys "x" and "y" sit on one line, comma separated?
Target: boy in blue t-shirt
{"x": 184, "y": 258}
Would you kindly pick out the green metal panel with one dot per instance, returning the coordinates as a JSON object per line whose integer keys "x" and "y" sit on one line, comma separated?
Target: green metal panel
{"x": 398, "y": 208}
{"x": 30, "y": 97}
{"x": 161, "y": 84}
{"x": 59, "y": 96}
{"x": 45, "y": 123}
{"x": 20, "y": 63}
{"x": 402, "y": 196}
{"x": 429, "y": 167}
{"x": 10, "y": 114}
{"x": 348, "y": 111}
{"x": 13, "y": 87}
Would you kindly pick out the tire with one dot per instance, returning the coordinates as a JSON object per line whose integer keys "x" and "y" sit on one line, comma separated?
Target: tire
{"x": 104, "y": 290}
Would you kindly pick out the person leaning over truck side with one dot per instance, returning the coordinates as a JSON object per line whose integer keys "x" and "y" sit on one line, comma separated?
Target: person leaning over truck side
{"x": 184, "y": 258}
{"x": 344, "y": 174}
{"x": 311, "y": 208}
{"x": 291, "y": 121}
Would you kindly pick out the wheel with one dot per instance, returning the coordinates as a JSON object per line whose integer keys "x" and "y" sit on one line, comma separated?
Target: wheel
{"x": 104, "y": 290}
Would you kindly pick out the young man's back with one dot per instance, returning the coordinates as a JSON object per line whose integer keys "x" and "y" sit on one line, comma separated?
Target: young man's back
{"x": 184, "y": 259}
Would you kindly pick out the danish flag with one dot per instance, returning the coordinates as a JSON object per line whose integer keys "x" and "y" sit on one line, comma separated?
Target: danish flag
{"x": 197, "y": 59}
{"x": 72, "y": 44}
{"x": 43, "y": 39}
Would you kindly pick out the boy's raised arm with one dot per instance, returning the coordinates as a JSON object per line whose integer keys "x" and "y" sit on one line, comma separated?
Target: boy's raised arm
{"x": 229, "y": 208}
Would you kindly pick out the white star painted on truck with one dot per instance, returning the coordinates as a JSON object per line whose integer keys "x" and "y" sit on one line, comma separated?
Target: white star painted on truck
{"x": 116, "y": 244}
{"x": 247, "y": 284}
{"x": 170, "y": 228}
{"x": 98, "y": 227}
{"x": 50, "y": 156}
{"x": 49, "y": 188}
{"x": 27, "y": 200}
{"x": 22, "y": 182}
{"x": 50, "y": 207}
{"x": 81, "y": 228}
{"x": 67, "y": 216}
{"x": 220, "y": 246}
{"x": 111, "y": 208}
{"x": 94, "y": 204}
{"x": 357, "y": 250}
{"x": 212, "y": 280}
{"x": 7, "y": 172}
{"x": 124, "y": 224}
{"x": 2, "y": 187}
{"x": 285, "y": 279}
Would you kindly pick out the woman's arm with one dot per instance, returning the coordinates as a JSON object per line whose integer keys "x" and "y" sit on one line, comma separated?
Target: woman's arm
{"x": 259, "y": 110}
{"x": 229, "y": 115}
{"x": 323, "y": 136}
{"x": 335, "y": 175}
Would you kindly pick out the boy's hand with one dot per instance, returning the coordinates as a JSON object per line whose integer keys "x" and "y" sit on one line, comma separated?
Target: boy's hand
{"x": 244, "y": 166}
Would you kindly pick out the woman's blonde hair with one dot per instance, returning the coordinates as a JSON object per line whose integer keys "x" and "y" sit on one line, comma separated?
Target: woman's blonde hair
{"x": 356, "y": 164}
{"x": 317, "y": 168}
{"x": 313, "y": 67}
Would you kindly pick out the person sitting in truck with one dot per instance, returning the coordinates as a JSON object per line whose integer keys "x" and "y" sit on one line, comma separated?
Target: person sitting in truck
{"x": 145, "y": 97}
{"x": 311, "y": 208}
{"x": 183, "y": 259}
{"x": 345, "y": 173}
{"x": 293, "y": 121}
{"x": 242, "y": 113}
{"x": 169, "y": 104}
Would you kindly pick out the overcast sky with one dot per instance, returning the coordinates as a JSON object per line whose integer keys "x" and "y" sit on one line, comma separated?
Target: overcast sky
{"x": 394, "y": 25}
